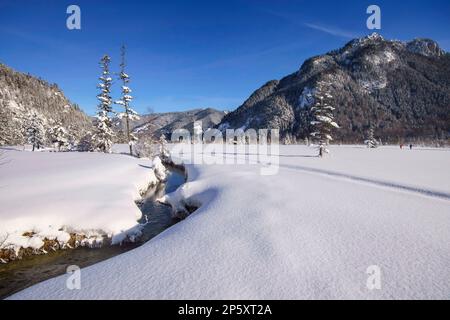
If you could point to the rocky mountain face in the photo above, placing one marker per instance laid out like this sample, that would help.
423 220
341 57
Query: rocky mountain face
402 89
22 94
165 123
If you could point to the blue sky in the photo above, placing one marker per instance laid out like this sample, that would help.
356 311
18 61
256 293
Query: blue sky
191 54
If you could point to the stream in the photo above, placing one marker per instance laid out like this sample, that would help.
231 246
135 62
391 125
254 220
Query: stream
20 274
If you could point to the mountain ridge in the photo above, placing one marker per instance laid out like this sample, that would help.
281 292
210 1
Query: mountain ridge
403 88
157 124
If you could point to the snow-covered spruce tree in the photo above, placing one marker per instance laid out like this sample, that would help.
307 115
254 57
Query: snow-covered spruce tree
60 137
371 142
164 153
6 130
34 130
323 120
11 127
104 134
128 113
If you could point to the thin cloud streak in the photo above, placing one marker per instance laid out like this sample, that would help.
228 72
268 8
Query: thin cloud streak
332 30
335 31
237 59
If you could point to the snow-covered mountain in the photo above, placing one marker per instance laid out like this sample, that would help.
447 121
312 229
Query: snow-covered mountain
402 88
22 94
156 124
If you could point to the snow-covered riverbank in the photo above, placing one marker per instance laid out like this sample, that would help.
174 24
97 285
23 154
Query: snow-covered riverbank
310 231
50 197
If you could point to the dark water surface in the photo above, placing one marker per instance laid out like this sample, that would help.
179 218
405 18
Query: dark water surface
20 274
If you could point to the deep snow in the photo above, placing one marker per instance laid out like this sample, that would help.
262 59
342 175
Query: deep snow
55 194
310 231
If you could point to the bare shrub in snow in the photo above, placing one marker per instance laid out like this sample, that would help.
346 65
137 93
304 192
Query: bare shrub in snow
145 148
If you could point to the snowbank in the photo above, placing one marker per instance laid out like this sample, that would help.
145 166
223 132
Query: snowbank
300 234
53 196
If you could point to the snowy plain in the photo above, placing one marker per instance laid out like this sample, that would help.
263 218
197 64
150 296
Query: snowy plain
52 195
311 231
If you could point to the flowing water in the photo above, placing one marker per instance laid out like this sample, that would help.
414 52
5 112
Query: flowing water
20 274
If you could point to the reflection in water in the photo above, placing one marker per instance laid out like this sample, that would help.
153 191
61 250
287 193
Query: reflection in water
18 275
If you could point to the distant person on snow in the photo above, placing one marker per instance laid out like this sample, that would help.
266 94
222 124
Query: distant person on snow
401 145
410 147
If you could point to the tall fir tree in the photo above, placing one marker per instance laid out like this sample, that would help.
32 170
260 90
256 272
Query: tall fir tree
128 113
323 120
103 137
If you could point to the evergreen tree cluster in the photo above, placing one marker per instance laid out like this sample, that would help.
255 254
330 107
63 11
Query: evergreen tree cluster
22 95
104 133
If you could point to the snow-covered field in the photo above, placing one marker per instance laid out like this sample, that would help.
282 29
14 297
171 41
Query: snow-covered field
51 195
310 231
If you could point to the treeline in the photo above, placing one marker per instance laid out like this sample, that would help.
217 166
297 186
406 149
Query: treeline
24 97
